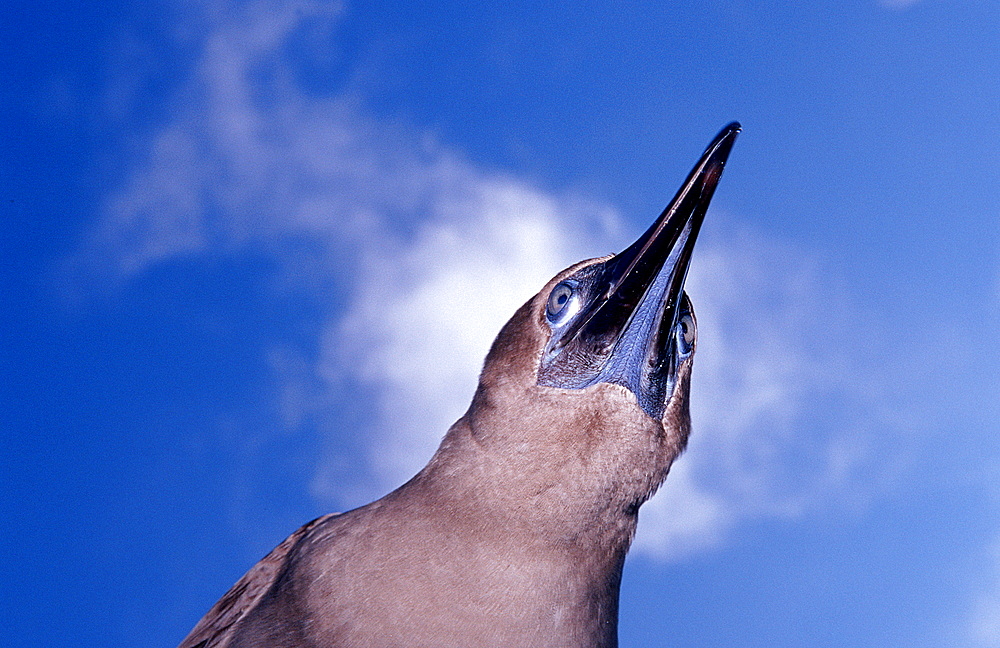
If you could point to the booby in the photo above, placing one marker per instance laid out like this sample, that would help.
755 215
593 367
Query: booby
515 532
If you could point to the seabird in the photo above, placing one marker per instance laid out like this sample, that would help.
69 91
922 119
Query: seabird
515 532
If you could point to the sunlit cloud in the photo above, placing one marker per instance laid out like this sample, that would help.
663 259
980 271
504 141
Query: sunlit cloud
426 310
442 252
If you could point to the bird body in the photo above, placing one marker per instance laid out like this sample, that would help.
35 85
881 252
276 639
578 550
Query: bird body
516 531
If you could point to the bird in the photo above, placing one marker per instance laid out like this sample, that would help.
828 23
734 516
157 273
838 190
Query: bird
515 532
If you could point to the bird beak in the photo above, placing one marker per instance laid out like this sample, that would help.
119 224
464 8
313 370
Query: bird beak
625 328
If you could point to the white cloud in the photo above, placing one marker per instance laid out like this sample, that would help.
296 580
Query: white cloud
427 309
444 252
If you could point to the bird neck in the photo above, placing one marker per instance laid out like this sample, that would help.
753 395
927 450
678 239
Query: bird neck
528 496
556 561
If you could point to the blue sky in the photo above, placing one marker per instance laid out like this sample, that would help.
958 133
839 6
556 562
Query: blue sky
253 254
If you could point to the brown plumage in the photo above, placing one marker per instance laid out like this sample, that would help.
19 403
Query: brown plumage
515 532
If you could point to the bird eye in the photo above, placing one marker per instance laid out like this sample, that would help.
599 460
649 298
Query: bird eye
559 300
686 333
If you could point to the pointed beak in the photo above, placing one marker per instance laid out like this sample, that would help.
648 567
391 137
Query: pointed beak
634 300
664 249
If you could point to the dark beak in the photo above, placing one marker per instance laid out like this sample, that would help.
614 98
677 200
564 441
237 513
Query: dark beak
623 332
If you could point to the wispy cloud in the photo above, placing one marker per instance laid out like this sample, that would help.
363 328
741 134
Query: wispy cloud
771 347
442 252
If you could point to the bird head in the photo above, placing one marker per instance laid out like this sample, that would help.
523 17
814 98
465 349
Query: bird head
592 375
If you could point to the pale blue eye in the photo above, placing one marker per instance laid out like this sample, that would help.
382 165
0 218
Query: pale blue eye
686 333
559 300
